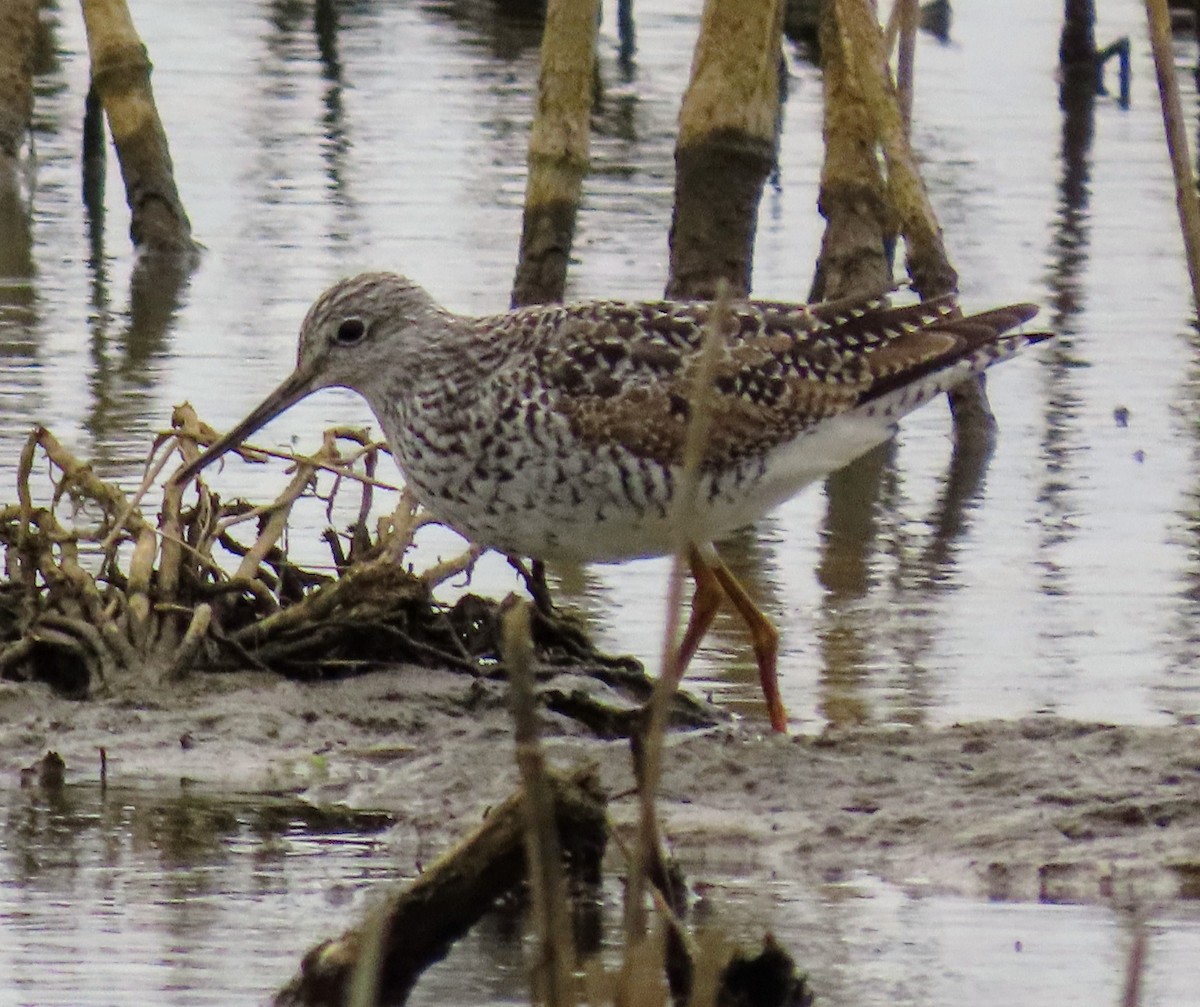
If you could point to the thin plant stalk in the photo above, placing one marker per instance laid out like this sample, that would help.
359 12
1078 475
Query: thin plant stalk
1135 966
363 988
685 505
554 945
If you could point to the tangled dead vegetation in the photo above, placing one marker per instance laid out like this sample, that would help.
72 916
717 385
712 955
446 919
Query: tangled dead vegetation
98 597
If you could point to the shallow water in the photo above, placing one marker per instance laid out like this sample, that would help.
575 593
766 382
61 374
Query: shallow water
874 945
1064 578
190 898
173 897
1060 578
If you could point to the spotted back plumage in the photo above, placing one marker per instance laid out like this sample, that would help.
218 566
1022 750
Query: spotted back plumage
626 372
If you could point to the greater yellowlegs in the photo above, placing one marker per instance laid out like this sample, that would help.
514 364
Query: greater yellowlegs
557 431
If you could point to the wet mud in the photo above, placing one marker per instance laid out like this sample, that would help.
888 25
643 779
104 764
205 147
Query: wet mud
1035 809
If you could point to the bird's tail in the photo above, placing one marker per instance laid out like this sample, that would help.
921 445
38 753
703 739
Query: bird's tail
979 341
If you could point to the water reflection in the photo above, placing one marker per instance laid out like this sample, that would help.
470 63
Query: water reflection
129 355
1062 442
131 894
337 137
849 537
16 254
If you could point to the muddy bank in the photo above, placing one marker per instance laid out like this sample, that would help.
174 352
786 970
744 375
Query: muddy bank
1040 808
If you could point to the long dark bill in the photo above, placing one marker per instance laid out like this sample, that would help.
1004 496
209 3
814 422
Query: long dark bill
295 386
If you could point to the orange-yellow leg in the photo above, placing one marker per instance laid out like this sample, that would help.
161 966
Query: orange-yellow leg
765 639
705 602
714 581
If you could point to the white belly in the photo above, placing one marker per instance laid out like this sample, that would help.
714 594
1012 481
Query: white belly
586 510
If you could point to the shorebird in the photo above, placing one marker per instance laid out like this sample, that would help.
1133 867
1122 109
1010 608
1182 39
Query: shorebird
557 431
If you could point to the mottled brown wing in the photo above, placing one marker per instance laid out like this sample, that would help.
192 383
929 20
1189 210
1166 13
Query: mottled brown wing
626 372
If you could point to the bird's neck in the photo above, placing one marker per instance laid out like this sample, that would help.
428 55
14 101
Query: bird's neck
444 367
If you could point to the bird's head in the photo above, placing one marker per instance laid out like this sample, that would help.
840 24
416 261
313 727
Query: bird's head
358 334
362 328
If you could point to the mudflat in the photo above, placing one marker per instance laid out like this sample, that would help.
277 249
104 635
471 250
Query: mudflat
1038 808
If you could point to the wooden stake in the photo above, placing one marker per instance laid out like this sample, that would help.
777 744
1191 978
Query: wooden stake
1177 144
558 150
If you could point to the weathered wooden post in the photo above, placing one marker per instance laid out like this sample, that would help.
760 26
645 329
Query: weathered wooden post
18 27
856 248
121 77
558 150
1177 143
861 40
728 133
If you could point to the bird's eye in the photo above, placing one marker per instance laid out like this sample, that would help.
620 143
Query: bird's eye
350 331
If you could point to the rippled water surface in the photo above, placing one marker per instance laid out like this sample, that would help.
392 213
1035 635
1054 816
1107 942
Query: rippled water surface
141 896
915 587
189 898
